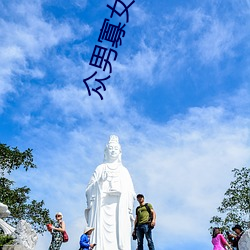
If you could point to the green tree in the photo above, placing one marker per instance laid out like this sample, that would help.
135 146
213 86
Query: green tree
17 199
235 207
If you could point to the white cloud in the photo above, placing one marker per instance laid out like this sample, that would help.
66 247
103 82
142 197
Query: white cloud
143 64
80 3
217 42
32 33
25 36
198 19
138 15
75 101
173 43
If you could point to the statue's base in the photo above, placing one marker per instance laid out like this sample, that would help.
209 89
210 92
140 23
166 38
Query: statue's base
13 247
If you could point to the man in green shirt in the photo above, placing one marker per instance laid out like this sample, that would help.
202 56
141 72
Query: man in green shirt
144 223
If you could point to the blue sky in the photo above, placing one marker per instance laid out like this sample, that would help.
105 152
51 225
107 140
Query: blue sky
178 98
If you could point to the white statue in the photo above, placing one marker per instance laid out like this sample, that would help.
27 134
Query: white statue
4 212
244 242
110 197
25 235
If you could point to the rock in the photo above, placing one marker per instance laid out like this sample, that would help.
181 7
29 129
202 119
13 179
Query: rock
244 242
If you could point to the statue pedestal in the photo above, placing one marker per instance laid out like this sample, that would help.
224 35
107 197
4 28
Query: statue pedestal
13 247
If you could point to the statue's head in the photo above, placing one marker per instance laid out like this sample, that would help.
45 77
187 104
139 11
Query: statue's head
4 211
113 150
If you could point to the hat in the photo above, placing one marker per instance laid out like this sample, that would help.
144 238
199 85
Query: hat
59 213
237 227
87 229
140 195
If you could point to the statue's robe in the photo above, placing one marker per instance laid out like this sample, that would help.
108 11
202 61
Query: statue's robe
110 197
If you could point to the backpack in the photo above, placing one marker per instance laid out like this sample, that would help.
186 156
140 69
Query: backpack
149 212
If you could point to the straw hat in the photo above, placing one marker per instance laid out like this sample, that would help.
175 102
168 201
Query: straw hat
87 229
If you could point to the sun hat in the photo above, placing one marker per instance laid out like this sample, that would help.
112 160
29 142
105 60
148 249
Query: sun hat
87 229
59 213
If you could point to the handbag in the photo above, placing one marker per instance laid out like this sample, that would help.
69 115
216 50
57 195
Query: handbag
65 236
49 227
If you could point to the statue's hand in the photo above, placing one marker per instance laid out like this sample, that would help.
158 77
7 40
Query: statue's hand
132 217
90 202
104 176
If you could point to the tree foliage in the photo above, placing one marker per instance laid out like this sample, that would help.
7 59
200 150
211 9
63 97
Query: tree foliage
12 159
17 199
235 206
6 239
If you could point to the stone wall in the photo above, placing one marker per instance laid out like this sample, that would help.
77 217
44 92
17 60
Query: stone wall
13 247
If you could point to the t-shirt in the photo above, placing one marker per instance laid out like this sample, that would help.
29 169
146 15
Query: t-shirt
142 214
219 242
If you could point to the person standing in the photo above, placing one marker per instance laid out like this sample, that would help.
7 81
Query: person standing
85 239
218 240
239 231
143 225
56 231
